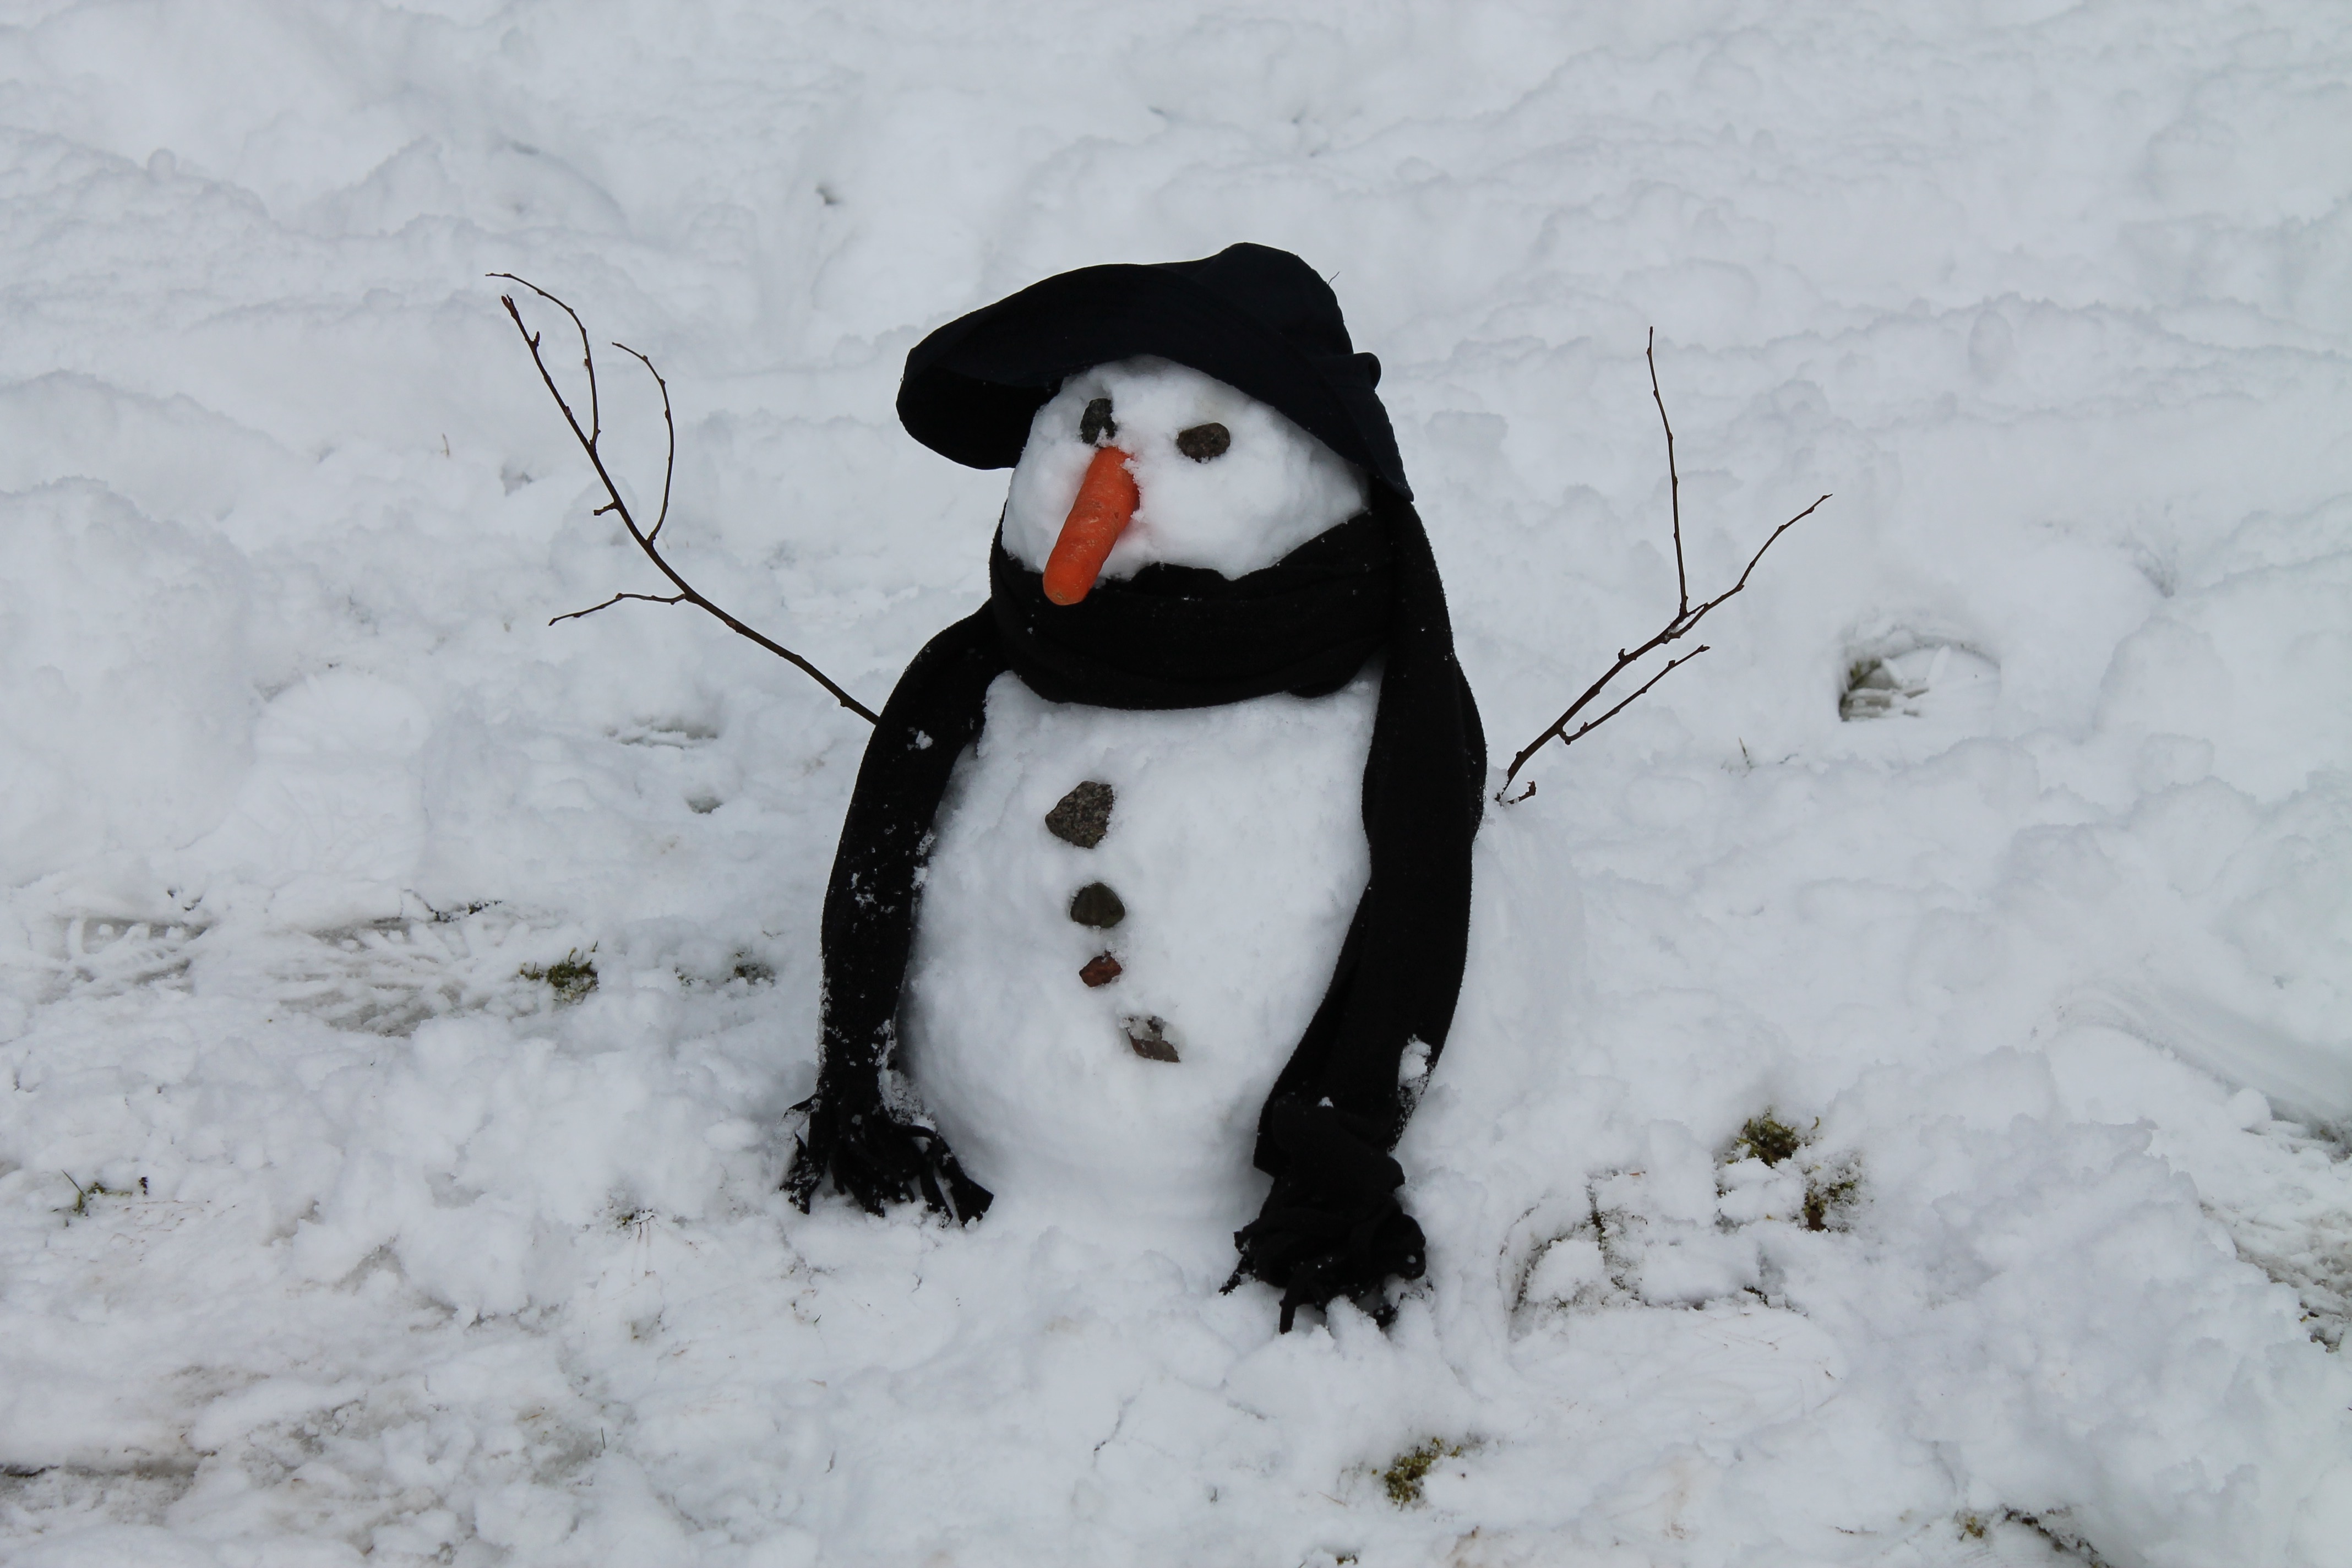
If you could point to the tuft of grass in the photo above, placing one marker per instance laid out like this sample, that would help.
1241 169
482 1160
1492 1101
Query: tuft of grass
2051 1528
1408 1470
571 978
1832 1186
1767 1138
1873 690
1828 1194
81 1205
749 968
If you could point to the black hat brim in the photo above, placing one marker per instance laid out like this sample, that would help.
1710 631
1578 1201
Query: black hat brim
971 388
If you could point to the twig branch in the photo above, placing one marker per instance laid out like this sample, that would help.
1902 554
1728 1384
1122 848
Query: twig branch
1673 479
1684 621
669 426
1591 724
589 438
648 598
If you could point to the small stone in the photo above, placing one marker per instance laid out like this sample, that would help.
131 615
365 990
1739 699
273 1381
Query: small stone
1083 816
1100 970
1096 424
1147 1038
1097 906
1202 442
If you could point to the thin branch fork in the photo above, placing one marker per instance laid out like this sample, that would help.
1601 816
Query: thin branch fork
1684 621
590 439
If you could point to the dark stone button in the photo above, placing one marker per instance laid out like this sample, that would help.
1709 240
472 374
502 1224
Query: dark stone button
1202 442
1100 970
1083 816
1147 1038
1097 906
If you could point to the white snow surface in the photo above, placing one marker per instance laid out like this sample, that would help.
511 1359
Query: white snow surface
328 1234
1276 488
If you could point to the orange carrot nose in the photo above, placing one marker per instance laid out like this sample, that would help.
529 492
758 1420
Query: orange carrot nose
1107 499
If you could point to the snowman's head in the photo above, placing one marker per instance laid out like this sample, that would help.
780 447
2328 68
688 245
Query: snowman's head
1146 460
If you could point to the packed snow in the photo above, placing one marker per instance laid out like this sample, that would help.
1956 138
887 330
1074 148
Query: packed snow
1897 1110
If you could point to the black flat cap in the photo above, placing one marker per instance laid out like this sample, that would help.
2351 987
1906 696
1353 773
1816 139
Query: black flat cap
1259 319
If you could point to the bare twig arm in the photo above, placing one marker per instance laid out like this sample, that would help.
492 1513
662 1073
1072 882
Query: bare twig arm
1759 554
1673 478
648 598
1589 725
669 426
1681 624
589 438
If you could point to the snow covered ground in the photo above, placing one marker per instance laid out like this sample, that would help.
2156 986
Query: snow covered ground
2001 847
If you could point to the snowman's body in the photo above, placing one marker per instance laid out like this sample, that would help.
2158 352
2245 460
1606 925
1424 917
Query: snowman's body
1235 844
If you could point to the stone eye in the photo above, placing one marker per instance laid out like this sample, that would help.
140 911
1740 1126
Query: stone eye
1096 424
1202 442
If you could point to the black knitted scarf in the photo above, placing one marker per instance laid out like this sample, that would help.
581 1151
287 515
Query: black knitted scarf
1185 637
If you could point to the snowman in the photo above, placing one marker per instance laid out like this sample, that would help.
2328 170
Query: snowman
1152 896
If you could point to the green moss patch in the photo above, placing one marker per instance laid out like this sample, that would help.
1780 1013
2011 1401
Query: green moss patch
1408 1470
1767 1138
570 979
